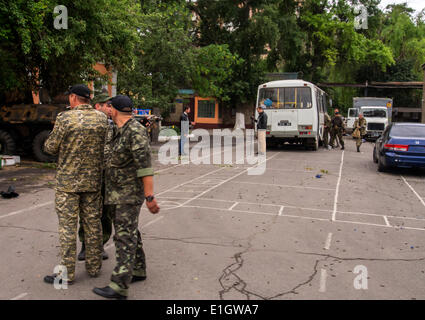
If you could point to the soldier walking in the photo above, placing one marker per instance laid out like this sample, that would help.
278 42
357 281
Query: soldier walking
337 128
359 130
99 102
129 181
78 138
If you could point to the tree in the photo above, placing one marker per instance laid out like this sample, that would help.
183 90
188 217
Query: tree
33 53
249 31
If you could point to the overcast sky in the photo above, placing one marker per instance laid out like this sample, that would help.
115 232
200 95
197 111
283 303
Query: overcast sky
418 5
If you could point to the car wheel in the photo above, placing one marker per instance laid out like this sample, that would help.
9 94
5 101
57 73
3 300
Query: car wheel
381 166
375 159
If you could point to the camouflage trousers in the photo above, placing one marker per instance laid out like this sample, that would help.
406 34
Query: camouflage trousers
130 257
70 206
106 221
337 133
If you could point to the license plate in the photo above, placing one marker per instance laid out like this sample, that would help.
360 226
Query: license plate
375 134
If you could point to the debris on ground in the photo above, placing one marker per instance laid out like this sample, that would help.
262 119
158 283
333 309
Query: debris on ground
10 193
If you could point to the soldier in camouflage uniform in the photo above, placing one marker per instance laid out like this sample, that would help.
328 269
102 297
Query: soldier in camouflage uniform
327 131
337 129
360 124
99 102
78 138
129 181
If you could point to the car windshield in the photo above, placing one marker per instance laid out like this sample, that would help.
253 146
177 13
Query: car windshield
408 131
375 113
287 98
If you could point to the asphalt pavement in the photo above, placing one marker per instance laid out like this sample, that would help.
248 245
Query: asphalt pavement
315 225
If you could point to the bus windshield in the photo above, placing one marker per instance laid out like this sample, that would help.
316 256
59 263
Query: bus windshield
287 98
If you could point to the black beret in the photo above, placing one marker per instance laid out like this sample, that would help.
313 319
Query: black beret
80 90
121 103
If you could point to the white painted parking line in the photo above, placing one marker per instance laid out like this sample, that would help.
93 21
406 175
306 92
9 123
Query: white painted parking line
328 241
27 209
301 208
233 205
337 187
181 184
227 180
411 188
297 216
323 275
386 221
281 210
282 185
20 296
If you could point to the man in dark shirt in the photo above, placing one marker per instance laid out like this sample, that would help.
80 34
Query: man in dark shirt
184 130
261 129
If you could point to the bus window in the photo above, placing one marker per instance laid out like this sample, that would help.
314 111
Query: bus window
290 102
269 93
288 97
304 98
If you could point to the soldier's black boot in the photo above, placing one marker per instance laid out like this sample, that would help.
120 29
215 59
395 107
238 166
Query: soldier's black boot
358 149
51 279
342 148
108 292
82 254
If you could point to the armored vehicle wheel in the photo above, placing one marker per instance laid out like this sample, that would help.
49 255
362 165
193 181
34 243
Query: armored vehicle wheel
7 144
37 147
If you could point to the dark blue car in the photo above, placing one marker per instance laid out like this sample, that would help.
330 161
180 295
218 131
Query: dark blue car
401 145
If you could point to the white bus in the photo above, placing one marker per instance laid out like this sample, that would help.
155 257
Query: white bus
296 114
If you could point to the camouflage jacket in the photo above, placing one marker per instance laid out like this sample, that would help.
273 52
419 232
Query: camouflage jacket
328 121
129 160
78 137
112 129
362 124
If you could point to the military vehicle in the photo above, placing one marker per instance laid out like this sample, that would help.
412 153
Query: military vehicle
25 127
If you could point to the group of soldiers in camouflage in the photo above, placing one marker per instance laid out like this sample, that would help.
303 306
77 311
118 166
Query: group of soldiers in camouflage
335 128
104 174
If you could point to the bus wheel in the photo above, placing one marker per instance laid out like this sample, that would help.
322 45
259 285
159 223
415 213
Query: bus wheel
314 144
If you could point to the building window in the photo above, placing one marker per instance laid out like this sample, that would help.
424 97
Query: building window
206 109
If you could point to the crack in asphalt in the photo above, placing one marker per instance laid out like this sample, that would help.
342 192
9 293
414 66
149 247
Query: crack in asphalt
230 280
28 229
361 259
185 240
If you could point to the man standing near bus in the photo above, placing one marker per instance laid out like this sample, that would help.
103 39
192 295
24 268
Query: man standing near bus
261 129
337 129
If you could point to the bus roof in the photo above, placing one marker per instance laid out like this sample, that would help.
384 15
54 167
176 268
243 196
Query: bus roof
286 83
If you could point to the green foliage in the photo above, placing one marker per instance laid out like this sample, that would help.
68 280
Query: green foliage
32 50
213 69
